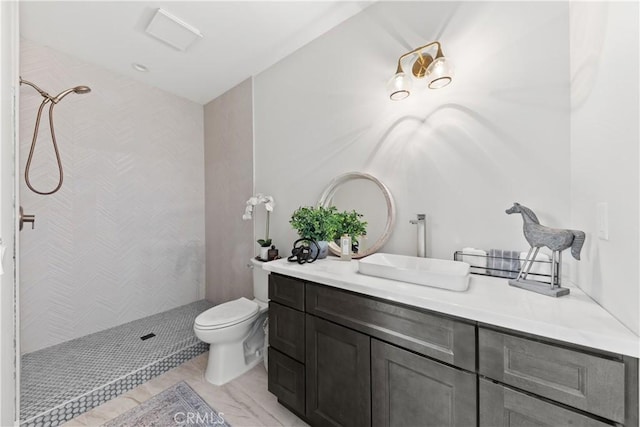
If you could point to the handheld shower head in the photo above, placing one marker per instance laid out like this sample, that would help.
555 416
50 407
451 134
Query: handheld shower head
78 89
55 99
82 89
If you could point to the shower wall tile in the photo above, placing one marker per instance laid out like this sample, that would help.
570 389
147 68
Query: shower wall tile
124 237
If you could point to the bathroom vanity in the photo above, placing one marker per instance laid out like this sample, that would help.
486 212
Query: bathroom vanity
353 350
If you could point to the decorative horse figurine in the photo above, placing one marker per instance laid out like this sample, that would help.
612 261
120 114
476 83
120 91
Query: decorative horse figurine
555 239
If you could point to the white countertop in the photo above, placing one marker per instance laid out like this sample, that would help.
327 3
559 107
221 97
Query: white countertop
574 318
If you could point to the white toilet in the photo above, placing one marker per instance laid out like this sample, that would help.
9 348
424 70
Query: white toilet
234 331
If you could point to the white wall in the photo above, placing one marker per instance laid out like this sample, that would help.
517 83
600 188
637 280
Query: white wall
9 375
124 237
498 134
604 151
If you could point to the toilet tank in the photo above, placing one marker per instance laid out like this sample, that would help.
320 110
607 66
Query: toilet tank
260 281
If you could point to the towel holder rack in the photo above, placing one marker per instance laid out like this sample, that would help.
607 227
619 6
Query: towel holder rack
490 270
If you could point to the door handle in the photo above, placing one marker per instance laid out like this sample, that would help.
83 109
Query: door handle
26 218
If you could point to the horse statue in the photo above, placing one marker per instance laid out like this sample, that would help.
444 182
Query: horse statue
555 239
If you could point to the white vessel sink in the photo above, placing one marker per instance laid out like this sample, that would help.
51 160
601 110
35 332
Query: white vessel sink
438 273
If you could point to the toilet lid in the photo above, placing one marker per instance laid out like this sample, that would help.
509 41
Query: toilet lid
227 314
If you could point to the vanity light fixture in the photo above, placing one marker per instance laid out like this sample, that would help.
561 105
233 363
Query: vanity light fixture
436 71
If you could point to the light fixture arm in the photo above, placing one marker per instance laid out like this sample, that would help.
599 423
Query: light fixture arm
417 50
421 64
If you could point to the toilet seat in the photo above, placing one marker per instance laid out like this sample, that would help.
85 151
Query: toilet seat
227 314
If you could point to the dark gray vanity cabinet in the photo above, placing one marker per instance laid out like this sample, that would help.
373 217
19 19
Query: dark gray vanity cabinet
531 381
338 375
440 337
368 361
411 390
286 331
504 406
338 358
286 342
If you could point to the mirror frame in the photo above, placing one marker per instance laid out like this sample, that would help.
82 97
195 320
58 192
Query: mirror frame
331 189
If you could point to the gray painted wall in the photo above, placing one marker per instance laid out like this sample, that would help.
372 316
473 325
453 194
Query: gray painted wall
228 150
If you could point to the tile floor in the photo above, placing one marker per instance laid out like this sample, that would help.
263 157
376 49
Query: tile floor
62 381
244 401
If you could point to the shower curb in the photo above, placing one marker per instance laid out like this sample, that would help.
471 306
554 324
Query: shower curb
81 404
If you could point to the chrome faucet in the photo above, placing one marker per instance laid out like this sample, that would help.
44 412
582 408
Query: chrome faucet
422 234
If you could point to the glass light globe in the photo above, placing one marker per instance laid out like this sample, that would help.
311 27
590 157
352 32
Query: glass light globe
439 73
399 86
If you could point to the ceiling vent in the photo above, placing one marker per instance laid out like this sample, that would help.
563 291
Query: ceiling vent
172 31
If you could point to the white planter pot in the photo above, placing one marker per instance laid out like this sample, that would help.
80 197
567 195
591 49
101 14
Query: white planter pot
324 249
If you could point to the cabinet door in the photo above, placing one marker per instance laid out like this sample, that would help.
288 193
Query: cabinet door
503 406
411 390
337 375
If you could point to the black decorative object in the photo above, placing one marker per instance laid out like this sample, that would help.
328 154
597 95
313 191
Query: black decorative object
302 253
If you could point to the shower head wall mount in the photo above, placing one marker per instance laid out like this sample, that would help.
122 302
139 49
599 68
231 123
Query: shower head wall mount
58 97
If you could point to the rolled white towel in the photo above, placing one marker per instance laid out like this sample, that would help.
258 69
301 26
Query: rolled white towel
476 258
503 263
538 267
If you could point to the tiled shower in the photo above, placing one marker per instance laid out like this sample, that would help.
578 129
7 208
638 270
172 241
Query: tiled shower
123 239
65 380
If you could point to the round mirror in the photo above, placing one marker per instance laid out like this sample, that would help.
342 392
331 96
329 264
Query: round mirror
368 196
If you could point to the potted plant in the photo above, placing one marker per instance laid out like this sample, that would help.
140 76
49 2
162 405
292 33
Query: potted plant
269 203
315 223
351 224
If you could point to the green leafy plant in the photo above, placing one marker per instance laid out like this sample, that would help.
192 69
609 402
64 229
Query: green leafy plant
349 223
265 243
317 223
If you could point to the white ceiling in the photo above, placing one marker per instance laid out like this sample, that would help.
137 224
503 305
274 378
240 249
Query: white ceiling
241 38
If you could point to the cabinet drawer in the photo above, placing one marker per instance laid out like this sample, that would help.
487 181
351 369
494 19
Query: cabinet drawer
584 381
411 390
286 330
286 380
442 338
286 291
502 406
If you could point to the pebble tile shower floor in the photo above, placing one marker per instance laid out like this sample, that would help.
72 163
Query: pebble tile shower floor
65 380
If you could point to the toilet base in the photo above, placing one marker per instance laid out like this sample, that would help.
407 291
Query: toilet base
227 362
